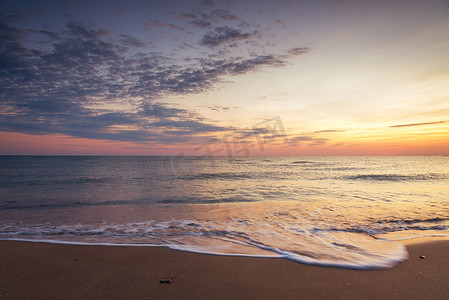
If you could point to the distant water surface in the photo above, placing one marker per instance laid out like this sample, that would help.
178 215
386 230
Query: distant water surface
339 211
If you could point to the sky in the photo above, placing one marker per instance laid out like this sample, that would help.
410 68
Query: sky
224 77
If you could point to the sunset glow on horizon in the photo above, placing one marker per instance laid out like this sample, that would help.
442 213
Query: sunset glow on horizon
223 77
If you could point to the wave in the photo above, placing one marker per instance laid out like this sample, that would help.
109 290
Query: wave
346 254
413 221
207 201
72 204
12 205
49 182
395 177
205 176
355 247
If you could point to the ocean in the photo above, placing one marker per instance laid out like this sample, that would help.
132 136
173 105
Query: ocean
333 211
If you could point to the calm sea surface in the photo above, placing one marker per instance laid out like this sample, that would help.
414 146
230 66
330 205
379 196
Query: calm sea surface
339 211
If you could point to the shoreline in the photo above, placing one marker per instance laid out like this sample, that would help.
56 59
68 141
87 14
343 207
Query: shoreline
33 270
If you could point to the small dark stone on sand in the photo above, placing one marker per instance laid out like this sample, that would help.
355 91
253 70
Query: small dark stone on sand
422 257
167 280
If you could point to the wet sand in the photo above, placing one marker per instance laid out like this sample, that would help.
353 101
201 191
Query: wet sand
49 271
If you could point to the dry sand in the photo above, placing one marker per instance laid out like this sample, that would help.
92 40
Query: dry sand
50 271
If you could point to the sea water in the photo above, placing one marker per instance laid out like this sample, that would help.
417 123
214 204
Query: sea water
337 211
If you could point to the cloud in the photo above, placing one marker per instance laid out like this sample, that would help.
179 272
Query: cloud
192 125
162 111
313 141
9 33
251 64
189 15
77 29
130 41
419 124
298 51
93 83
282 24
49 34
204 19
295 52
201 23
328 131
150 24
223 15
208 3
219 107
224 34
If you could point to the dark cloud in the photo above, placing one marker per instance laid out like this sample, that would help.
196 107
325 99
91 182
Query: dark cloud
295 52
208 3
282 24
77 29
192 125
150 24
189 15
223 34
251 64
162 111
130 41
201 23
49 34
313 141
71 84
204 19
223 15
9 33
419 124
298 51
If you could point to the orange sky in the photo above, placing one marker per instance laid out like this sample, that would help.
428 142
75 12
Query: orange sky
57 144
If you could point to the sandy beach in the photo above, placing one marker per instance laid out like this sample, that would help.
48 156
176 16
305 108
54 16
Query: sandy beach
50 271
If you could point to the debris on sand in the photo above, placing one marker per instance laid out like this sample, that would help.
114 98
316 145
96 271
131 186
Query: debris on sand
166 280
